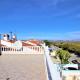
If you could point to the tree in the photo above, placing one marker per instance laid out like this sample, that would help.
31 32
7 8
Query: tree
72 47
63 55
48 43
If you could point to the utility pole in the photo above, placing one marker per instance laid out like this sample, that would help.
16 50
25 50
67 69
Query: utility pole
11 35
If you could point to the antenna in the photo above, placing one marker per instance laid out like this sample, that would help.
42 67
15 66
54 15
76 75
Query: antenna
11 35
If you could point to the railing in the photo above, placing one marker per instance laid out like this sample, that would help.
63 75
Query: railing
52 69
22 50
71 74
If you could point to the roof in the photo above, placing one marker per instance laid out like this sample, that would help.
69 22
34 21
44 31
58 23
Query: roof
12 41
36 42
26 44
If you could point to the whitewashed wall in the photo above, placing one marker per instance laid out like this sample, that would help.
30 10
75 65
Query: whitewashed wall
53 69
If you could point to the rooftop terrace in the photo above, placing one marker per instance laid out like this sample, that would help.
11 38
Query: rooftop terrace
22 67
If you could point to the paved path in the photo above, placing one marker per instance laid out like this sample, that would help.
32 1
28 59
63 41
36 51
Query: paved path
22 67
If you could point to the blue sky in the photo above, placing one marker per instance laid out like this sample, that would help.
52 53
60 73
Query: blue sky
41 19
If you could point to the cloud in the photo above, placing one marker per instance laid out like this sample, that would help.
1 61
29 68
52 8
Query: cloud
67 35
74 33
53 36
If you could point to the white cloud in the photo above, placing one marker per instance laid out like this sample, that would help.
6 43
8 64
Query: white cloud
67 35
75 33
54 36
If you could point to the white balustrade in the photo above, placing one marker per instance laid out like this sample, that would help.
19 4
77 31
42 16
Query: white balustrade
23 50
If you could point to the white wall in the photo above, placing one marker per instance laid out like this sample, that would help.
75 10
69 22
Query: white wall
70 72
6 43
17 44
53 68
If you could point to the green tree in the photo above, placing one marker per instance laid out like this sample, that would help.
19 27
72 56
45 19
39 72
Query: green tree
63 55
48 43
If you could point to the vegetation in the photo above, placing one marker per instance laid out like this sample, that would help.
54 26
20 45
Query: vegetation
73 47
48 43
67 47
63 56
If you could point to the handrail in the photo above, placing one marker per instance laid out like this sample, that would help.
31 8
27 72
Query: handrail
53 69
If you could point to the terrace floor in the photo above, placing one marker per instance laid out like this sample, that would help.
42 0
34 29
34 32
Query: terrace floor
22 67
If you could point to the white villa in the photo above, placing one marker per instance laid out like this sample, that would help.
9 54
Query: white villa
14 45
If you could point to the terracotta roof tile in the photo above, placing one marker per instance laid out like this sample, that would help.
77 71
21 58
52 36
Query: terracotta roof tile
35 42
26 44
11 41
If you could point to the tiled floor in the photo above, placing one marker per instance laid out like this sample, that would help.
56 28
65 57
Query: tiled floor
22 67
